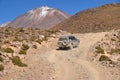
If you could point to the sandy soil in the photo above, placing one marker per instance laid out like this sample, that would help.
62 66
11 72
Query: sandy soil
73 60
47 63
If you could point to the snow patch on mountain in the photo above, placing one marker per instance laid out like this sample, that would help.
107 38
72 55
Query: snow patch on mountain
45 10
31 11
5 24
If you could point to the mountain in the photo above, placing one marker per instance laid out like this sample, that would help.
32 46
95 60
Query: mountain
103 18
43 17
5 24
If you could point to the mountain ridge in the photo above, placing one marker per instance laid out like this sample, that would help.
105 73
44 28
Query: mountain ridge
43 17
98 19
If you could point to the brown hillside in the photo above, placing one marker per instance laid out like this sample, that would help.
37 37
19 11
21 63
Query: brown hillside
103 18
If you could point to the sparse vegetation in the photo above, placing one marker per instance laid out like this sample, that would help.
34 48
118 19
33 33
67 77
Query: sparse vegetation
99 50
6 30
22 51
45 38
38 41
20 29
25 47
104 58
14 37
34 46
9 50
112 39
52 31
22 34
115 51
17 61
6 41
1 59
1 67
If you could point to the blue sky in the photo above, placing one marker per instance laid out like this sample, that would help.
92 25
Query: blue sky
10 9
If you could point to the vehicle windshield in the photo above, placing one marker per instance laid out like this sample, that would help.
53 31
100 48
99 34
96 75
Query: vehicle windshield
72 38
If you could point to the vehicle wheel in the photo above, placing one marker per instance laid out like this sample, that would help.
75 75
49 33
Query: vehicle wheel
64 43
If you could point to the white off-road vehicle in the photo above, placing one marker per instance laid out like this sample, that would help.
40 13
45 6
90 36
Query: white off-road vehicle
69 41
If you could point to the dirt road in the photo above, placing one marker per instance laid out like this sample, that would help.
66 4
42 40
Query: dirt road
51 64
66 60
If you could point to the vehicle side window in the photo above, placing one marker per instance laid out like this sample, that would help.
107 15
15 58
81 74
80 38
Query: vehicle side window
62 38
